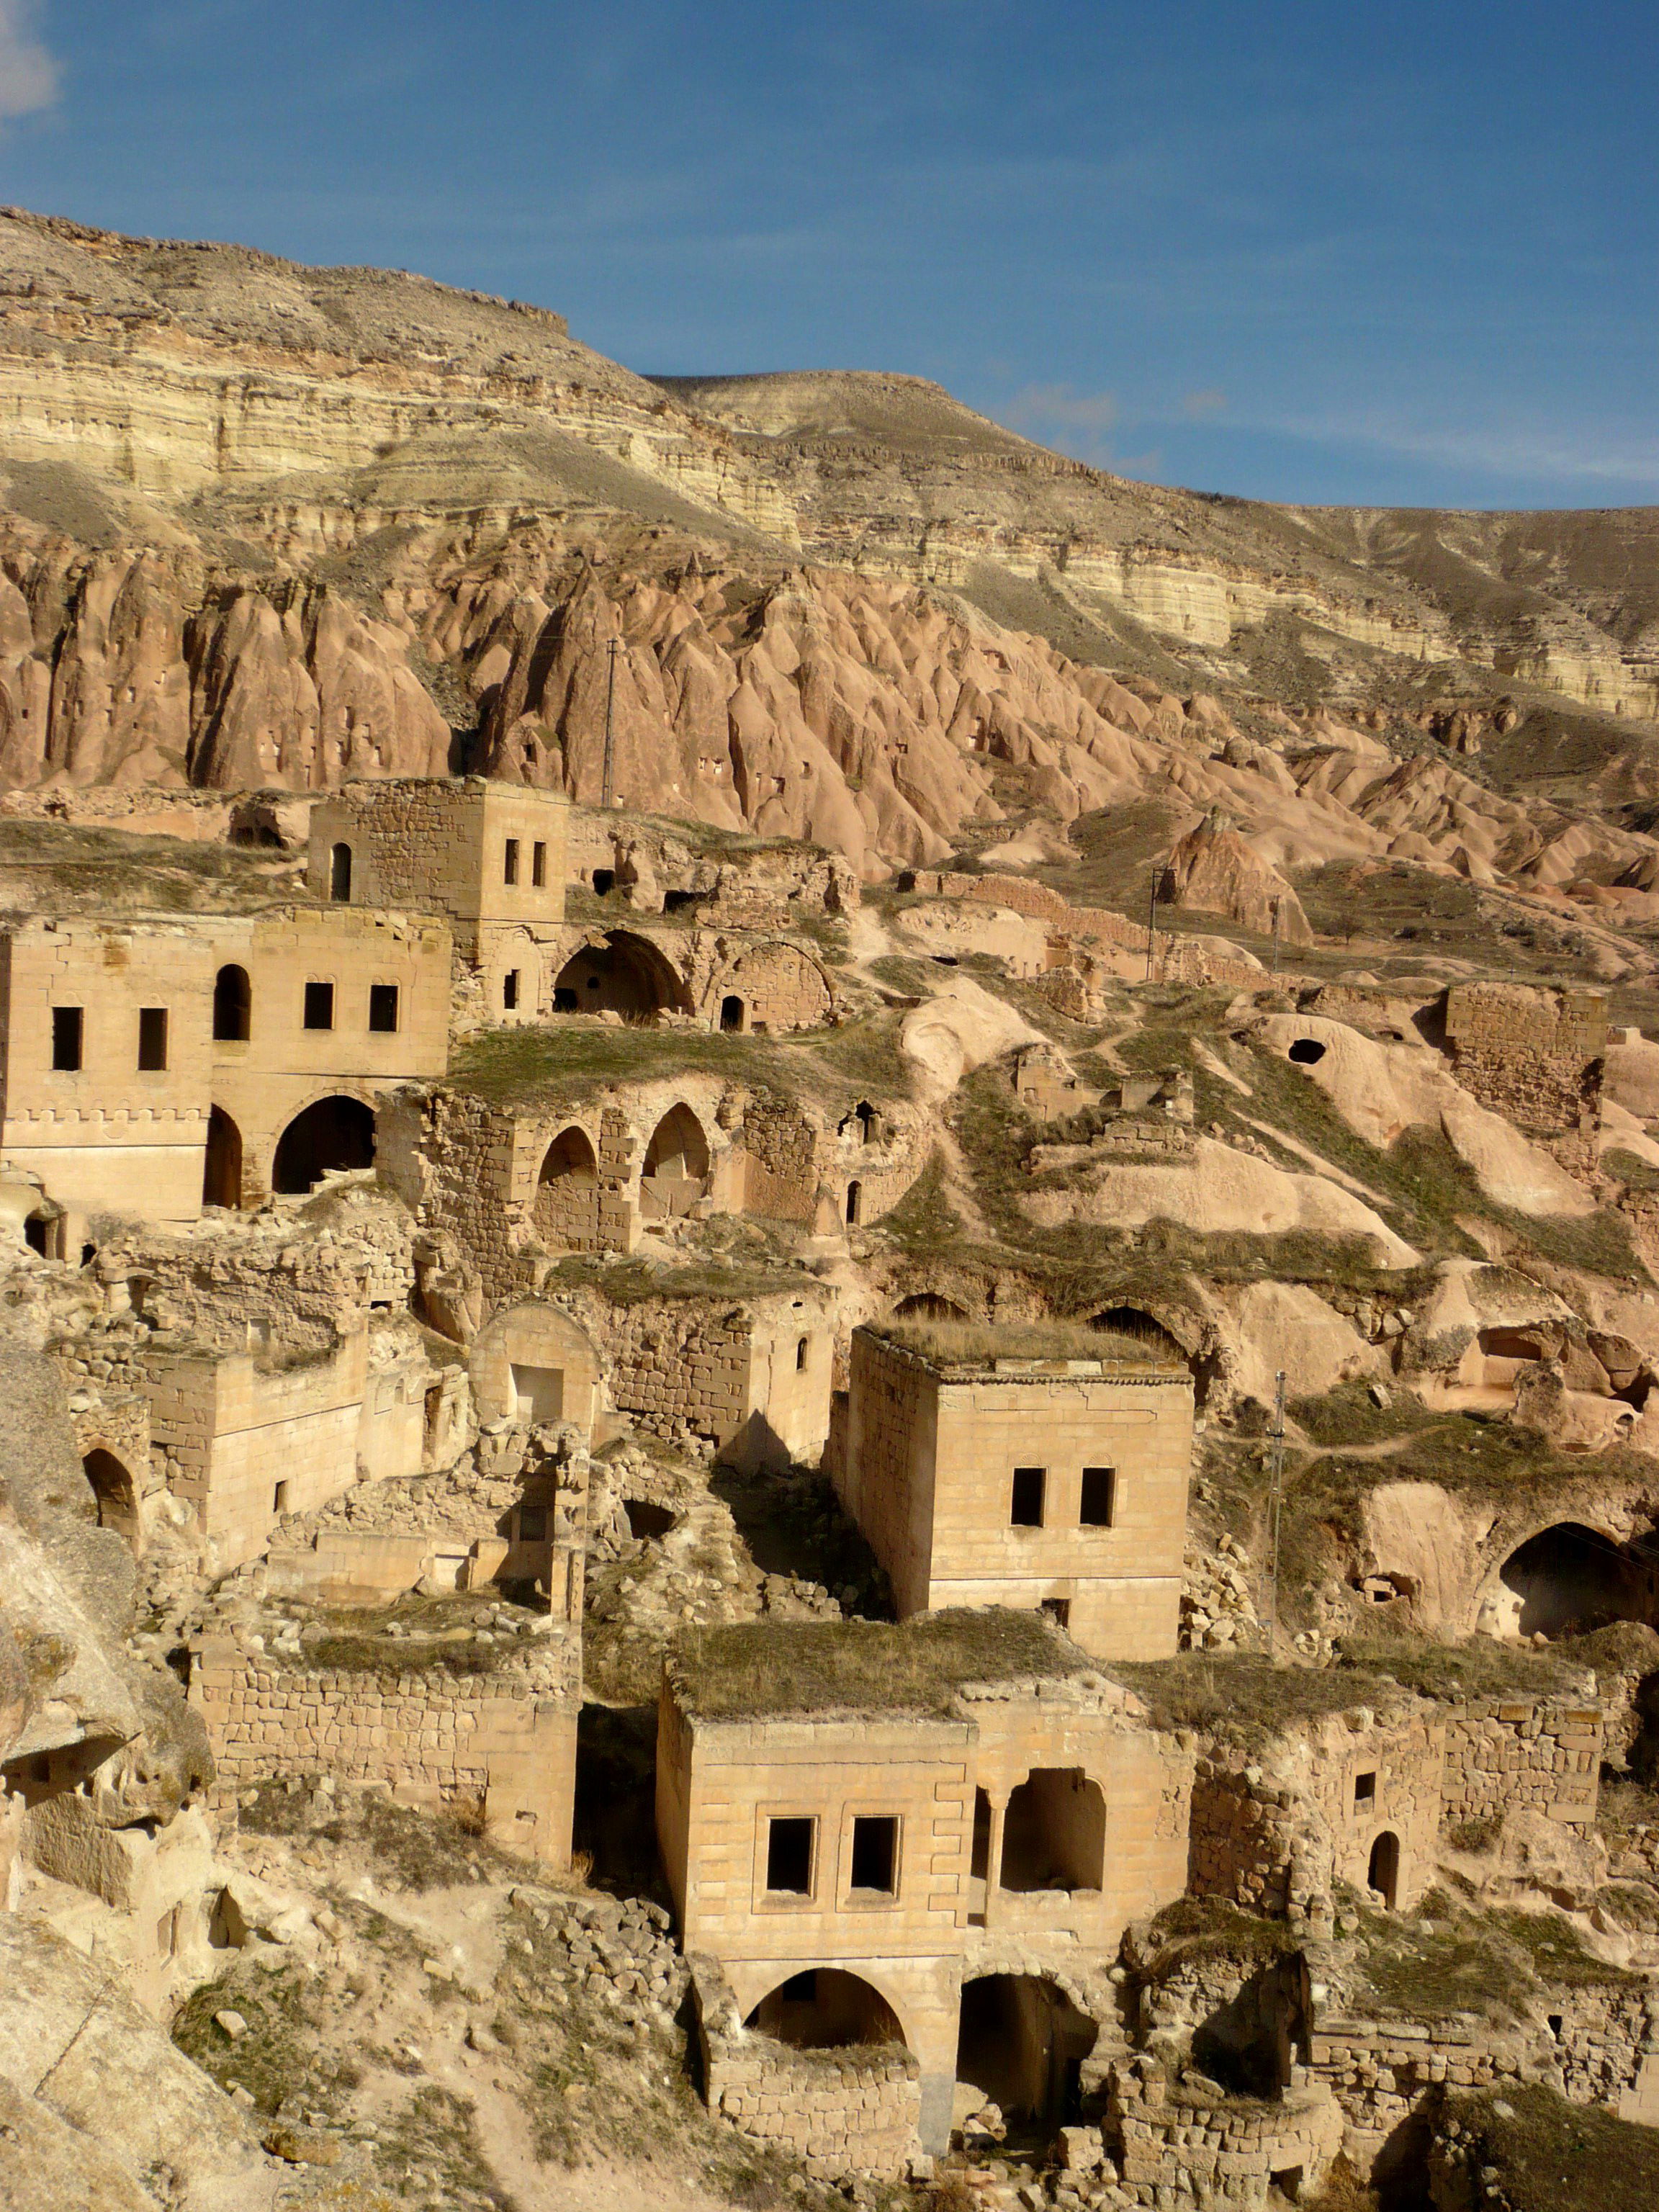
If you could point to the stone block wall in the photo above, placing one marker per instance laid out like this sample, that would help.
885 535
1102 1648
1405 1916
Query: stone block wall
778 986
1178 2141
1379 2071
1534 1056
1503 1755
506 1740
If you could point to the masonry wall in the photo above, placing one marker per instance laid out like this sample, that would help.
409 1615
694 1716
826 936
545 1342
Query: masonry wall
1504 1755
1534 1056
885 1472
230 1433
779 988
506 1740
108 1137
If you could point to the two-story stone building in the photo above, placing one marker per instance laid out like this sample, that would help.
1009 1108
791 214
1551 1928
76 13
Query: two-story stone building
918 1837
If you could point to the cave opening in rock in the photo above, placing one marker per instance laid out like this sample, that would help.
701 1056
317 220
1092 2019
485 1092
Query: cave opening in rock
1571 1579
1307 1052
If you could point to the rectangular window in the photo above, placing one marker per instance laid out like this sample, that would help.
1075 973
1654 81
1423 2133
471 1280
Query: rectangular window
1059 1610
319 1006
1030 1483
789 1856
875 1855
152 1038
1097 1506
1364 1790
383 1007
538 865
66 1024
532 1525
510 990
510 870
279 1498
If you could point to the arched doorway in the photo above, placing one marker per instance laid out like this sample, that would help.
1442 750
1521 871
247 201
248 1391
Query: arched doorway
1383 1874
731 1013
339 875
854 1204
1021 2042
826 2009
928 1305
331 1133
567 1207
117 1497
1571 1577
233 1005
1142 1329
626 975
675 1170
1054 1833
222 1162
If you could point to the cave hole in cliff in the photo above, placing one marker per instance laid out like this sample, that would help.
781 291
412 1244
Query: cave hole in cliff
1572 1579
928 1305
331 1135
1307 1052
826 2009
1023 2042
222 1162
646 1520
1054 1833
626 975
115 1495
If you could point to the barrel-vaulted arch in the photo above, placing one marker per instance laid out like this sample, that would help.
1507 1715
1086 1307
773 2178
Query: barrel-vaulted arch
335 1130
566 1206
674 1173
1546 1573
620 973
826 2007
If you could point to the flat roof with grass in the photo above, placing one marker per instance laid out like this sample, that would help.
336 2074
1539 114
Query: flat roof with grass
770 1670
1015 1349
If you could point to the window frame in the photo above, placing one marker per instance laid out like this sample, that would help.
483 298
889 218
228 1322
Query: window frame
77 1065
1113 1498
1016 1520
395 1026
148 1063
510 863
860 1896
768 1899
318 983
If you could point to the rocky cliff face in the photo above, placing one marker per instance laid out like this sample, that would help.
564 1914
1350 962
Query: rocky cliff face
272 525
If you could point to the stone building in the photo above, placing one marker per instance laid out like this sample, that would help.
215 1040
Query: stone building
983 1475
488 857
1537 1057
914 1837
153 1066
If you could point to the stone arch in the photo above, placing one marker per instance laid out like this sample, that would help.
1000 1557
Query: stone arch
566 1208
221 1161
623 974
1382 1868
780 986
1022 2040
116 1493
929 1306
675 1172
1142 1326
233 1004
534 1364
1054 1833
334 1131
827 2008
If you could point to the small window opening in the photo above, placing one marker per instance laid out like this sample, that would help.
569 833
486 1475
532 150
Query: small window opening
510 990
279 1498
34 1234
800 1355
1364 1790
538 865
854 1203
152 1039
66 1034
1557 2022
233 1005
1288 2182
1097 1506
789 1856
731 1013
383 1008
532 1525
1307 1052
319 1006
875 1854
339 874
604 879
1059 1610
1030 1483
530 755
510 863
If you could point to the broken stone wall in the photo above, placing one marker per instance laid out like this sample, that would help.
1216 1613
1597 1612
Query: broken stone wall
1506 1755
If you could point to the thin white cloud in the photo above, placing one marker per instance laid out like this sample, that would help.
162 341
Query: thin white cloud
28 73
1198 405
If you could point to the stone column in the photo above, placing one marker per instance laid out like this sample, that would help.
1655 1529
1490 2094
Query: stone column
994 1860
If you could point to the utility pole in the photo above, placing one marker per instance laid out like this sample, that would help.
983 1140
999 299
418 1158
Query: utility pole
607 796
1151 921
1275 1513
1275 936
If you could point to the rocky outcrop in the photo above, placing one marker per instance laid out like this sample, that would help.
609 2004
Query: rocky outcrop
1215 870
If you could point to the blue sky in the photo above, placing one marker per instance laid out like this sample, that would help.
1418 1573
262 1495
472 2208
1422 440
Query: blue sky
1405 254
